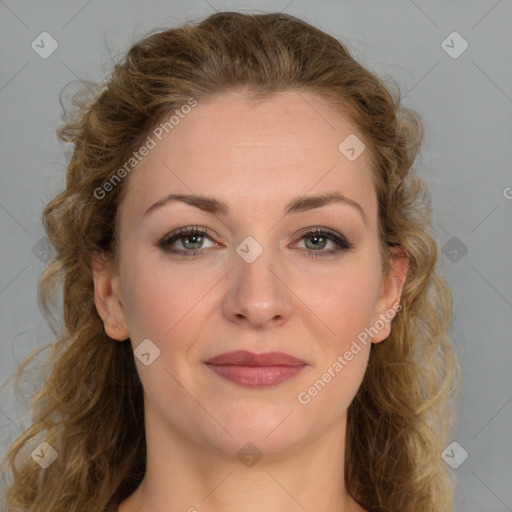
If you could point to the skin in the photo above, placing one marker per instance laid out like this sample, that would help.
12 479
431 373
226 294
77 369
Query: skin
256 157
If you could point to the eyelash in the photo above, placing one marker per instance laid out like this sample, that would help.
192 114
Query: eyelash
165 243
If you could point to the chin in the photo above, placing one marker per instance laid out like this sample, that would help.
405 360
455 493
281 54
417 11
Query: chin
271 429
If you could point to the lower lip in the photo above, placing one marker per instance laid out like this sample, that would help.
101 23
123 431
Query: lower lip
256 376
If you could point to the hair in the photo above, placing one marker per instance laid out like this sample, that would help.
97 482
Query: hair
90 405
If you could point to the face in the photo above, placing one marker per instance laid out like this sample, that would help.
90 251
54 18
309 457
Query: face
245 270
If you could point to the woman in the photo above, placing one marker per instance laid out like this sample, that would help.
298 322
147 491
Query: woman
252 316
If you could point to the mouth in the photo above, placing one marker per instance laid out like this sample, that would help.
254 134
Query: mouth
252 370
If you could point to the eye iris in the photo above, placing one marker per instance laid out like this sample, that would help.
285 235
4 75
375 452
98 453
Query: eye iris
196 244
317 237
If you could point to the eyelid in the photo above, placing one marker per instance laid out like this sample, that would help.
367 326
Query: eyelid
186 230
319 229
342 243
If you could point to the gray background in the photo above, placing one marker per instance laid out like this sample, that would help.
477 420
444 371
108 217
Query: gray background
465 103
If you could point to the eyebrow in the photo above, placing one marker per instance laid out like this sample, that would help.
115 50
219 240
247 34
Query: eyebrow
299 204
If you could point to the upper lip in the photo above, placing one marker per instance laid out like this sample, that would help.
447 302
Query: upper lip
246 358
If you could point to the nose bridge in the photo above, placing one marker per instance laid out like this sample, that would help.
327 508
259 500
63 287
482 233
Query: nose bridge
256 291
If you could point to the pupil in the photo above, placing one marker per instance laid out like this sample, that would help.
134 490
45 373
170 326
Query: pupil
194 237
316 239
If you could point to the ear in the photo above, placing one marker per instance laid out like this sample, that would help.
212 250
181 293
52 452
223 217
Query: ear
107 297
392 285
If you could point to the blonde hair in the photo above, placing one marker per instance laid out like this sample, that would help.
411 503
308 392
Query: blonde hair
90 408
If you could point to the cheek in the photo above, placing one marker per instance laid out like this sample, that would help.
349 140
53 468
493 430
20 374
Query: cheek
345 300
153 308
160 299
341 357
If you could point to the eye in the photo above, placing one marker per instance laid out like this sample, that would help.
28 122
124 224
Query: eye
190 238
317 239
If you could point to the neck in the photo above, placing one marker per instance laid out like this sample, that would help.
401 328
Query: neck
184 476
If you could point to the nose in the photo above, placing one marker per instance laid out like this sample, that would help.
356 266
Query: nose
258 294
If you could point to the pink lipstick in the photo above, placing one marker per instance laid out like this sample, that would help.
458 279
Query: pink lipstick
256 370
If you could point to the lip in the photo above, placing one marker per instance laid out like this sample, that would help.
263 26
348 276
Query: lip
246 358
256 370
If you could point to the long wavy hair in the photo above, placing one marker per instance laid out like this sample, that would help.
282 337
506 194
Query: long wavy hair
90 405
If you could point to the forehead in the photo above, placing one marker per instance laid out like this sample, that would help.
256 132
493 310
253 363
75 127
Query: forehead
272 149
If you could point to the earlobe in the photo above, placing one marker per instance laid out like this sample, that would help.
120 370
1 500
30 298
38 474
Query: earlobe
391 292
107 297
